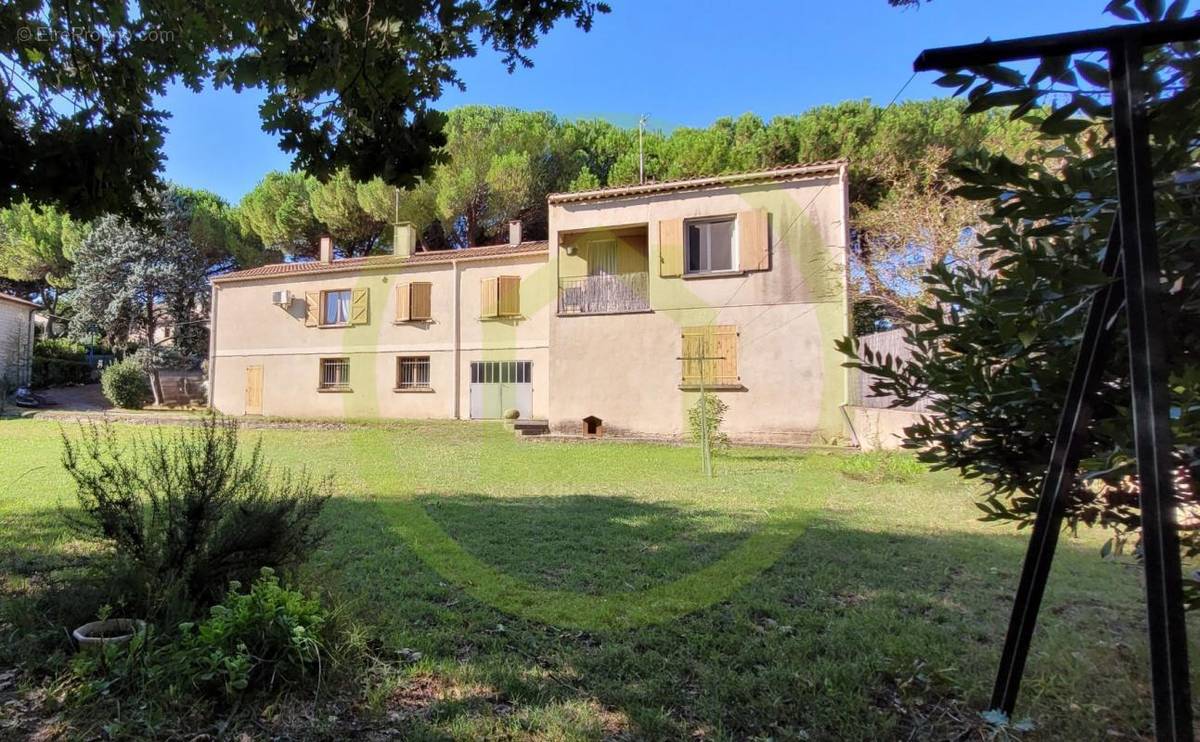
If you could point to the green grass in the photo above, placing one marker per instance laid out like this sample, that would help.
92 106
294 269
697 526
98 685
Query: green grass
585 591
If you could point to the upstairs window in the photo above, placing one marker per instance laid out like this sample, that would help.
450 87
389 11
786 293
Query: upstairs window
335 307
710 246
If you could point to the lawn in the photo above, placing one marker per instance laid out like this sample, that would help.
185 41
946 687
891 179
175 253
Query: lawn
553 590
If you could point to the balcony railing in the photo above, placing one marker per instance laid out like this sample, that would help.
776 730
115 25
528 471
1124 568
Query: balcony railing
603 294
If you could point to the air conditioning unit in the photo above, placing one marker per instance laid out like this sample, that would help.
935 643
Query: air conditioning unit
281 298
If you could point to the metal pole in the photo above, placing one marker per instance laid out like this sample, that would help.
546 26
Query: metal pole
1151 405
1060 476
704 425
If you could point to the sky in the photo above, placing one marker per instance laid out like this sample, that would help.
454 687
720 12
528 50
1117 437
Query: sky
681 62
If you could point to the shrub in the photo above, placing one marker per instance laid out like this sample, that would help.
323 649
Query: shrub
186 513
249 641
512 414
266 634
126 385
881 467
715 415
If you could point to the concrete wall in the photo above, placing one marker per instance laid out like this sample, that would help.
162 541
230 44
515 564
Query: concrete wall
879 429
16 341
624 368
251 331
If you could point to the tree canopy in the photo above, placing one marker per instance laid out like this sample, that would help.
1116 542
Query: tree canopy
349 84
37 246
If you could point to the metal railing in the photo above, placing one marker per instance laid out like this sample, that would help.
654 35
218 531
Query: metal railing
604 294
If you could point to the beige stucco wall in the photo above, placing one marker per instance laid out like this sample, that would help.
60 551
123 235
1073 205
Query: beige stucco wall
16 341
251 331
878 429
624 368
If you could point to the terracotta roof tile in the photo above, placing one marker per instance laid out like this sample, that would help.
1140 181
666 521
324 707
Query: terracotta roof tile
384 261
786 172
19 300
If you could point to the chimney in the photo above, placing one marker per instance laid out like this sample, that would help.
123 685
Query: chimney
404 239
326 249
514 232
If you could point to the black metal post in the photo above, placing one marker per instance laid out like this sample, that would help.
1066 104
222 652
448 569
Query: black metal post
1060 476
1140 277
1151 405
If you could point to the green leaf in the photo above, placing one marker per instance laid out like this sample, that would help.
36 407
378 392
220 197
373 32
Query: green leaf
953 80
1152 9
1094 73
1120 8
1000 74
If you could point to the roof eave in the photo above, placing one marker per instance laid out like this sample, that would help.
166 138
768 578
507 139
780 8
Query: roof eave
799 172
380 265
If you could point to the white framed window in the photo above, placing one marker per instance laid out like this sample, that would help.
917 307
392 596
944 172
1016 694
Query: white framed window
711 245
335 307
412 372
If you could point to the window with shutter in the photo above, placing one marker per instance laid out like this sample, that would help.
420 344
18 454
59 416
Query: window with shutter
489 296
312 308
754 244
403 303
421 300
710 356
670 248
414 301
358 307
509 302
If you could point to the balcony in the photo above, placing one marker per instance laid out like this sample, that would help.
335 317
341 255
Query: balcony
604 294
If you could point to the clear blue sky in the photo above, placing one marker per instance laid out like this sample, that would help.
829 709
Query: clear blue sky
683 62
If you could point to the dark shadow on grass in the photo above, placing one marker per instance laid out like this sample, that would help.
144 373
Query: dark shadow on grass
587 543
852 634
824 644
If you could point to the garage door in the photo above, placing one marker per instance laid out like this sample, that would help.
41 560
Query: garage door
497 386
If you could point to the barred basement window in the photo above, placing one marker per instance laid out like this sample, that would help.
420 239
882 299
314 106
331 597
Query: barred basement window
335 374
412 372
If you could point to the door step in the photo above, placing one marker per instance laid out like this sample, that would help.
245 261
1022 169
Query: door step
530 427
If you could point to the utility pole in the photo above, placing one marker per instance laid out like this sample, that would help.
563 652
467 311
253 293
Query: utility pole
641 149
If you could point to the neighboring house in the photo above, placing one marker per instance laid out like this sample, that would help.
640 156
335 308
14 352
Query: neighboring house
16 339
641 295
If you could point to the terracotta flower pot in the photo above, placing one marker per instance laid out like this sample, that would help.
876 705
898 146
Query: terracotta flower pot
96 634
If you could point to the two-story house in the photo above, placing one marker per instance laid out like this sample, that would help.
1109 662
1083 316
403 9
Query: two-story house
641 296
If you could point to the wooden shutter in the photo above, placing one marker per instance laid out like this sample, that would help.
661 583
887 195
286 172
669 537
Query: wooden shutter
420 300
488 294
670 248
717 342
358 307
510 296
722 344
754 246
403 303
312 308
693 348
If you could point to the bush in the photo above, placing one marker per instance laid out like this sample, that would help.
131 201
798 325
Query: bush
60 349
59 372
126 385
270 633
57 362
715 415
249 641
186 513
512 414
881 467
